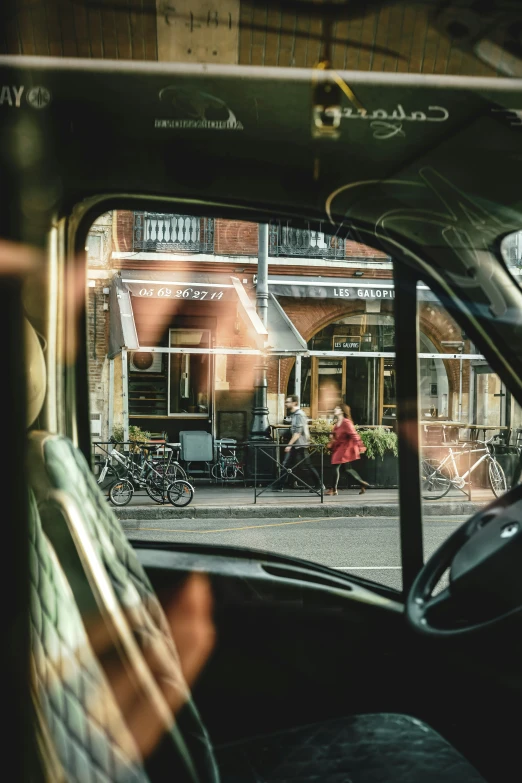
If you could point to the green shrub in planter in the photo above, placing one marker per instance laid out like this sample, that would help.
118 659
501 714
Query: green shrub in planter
378 442
320 430
379 464
136 434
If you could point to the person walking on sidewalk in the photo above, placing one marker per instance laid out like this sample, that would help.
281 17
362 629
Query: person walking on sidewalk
297 448
346 446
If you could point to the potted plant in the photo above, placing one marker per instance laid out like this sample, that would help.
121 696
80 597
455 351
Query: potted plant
380 460
136 435
320 430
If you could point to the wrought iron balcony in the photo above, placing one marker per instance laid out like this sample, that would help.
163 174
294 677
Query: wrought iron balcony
158 232
285 240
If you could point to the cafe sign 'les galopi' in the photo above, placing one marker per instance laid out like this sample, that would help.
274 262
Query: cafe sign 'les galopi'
320 290
364 293
386 125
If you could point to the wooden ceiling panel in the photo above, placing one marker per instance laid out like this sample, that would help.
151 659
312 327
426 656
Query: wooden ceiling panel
389 35
103 29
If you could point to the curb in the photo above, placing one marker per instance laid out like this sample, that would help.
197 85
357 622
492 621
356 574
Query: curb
147 513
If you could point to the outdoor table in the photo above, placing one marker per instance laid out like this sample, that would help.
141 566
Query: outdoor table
474 429
485 428
463 425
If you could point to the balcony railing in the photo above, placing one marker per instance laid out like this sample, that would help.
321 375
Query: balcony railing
157 232
285 240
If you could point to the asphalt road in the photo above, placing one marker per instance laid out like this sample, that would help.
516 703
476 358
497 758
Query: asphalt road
368 546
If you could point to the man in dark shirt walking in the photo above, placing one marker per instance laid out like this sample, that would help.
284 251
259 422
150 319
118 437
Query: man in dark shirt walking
297 448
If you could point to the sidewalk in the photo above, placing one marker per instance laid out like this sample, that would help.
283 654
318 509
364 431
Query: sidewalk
216 502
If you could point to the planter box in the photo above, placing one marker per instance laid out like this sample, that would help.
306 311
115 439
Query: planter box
380 473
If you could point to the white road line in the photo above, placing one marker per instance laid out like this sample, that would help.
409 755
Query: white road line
366 568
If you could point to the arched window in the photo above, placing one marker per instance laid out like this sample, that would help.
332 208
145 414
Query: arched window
433 381
365 379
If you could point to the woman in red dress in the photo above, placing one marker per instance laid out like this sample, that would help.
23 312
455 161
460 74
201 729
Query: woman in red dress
346 446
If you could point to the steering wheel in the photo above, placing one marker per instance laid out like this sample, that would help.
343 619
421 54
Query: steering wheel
484 556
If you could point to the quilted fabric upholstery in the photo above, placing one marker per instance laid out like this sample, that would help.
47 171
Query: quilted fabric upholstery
90 737
383 748
65 468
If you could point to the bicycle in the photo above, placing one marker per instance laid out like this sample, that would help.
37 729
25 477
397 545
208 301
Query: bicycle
149 472
159 472
226 467
438 476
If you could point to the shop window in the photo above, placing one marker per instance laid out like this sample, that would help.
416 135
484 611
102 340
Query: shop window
358 367
94 249
189 374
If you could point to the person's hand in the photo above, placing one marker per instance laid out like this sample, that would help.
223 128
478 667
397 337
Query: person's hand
288 448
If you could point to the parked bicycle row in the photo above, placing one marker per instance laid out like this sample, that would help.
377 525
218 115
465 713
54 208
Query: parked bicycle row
156 467
138 466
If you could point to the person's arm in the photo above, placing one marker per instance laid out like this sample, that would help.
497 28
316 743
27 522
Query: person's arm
349 430
292 440
295 435
354 435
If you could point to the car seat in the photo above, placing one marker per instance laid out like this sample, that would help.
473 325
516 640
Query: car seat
385 748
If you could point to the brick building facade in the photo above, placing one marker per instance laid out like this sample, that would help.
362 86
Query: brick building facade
230 251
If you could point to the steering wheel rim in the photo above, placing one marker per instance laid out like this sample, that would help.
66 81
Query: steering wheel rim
420 601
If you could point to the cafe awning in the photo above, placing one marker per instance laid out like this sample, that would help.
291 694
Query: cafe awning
283 336
280 337
122 329
298 287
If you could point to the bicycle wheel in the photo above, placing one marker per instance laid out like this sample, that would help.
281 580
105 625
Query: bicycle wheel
434 483
230 471
156 489
180 493
121 492
216 471
174 472
497 478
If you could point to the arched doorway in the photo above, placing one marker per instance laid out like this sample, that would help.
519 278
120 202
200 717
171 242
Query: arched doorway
365 379
433 381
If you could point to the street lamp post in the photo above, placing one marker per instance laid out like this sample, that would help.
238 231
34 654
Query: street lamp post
260 425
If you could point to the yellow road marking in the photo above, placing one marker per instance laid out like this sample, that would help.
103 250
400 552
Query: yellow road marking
229 529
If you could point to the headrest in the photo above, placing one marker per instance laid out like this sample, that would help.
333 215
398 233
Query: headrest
36 375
